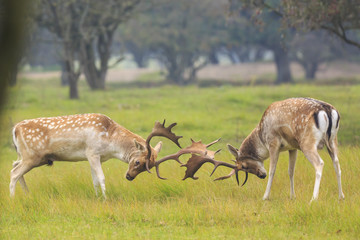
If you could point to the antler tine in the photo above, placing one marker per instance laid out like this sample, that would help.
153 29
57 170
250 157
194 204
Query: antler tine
169 157
246 178
234 171
219 163
212 143
229 175
161 131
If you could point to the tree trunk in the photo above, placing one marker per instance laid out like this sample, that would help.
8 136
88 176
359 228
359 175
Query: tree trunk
138 53
176 76
88 63
64 75
310 70
12 73
139 59
70 71
213 58
282 66
95 77
74 93
103 48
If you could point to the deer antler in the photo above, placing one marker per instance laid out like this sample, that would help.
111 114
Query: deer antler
194 148
161 131
196 161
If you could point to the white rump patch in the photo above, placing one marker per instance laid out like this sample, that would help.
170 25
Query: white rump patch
323 121
334 117
334 128
320 133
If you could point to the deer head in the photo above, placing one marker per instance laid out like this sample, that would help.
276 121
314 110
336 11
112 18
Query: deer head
247 163
145 156
139 156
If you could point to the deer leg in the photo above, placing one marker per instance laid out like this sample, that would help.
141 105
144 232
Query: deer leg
292 161
333 154
315 159
97 171
95 181
21 179
17 174
274 156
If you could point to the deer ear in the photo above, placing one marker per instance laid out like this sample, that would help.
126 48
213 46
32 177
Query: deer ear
234 151
139 146
158 147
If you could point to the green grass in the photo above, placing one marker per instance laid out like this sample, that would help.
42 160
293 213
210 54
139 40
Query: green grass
62 202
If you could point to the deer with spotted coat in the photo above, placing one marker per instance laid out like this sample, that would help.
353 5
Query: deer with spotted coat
92 137
293 124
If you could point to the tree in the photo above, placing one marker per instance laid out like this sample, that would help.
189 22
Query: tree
263 28
59 17
311 50
12 30
135 39
98 23
339 17
85 28
178 36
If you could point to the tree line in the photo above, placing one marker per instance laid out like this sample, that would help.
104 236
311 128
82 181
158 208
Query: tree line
184 36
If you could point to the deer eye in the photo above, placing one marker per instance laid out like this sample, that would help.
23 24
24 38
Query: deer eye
137 162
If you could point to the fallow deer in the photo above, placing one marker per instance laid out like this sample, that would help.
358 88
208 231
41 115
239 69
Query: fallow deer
92 137
293 124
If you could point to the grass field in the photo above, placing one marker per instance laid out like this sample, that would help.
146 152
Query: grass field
62 202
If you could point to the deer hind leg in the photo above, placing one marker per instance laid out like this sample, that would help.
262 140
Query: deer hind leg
21 179
274 156
20 168
97 172
332 149
292 161
314 158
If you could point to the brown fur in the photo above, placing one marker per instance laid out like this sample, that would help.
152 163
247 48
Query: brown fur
93 137
290 125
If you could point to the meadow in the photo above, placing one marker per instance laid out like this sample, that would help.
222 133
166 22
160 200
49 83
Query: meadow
62 202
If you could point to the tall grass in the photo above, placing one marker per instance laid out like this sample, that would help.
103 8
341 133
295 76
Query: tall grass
62 203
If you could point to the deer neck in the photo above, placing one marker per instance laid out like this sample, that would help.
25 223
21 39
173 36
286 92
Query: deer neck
253 147
122 141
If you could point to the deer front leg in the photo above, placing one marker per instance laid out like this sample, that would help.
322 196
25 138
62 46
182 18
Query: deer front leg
95 181
97 172
274 156
292 161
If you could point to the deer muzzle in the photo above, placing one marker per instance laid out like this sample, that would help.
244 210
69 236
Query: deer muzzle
130 178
